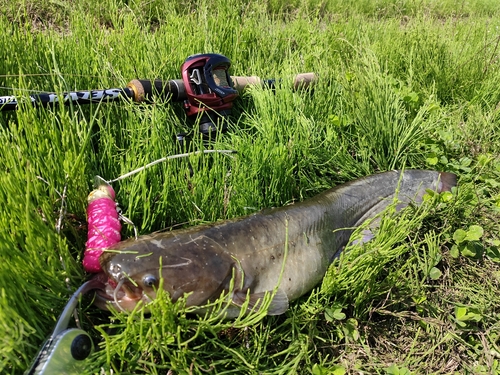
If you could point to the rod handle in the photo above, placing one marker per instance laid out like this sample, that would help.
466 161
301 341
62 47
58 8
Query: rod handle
144 90
300 81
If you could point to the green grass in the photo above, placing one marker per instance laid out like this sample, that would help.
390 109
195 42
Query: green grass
403 84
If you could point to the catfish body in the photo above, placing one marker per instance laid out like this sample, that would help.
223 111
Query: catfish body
288 248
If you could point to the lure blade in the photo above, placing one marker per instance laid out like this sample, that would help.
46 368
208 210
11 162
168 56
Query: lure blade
66 349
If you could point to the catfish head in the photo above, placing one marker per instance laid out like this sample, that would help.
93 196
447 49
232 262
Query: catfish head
188 263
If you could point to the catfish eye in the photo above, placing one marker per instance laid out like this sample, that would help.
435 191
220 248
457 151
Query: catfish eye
149 280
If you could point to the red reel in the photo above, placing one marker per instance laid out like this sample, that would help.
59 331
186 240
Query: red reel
209 90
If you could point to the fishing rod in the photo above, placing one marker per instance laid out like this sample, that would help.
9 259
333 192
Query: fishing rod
206 90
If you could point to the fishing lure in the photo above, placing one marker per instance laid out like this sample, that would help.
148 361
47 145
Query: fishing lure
104 225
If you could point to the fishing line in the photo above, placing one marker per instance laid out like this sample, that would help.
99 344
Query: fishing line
48 75
64 206
161 160
53 74
21 90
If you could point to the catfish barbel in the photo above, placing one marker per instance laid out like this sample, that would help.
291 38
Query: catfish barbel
249 252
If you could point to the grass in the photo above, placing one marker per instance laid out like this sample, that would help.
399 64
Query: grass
402 85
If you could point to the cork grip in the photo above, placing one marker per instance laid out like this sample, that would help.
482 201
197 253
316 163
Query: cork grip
304 80
300 81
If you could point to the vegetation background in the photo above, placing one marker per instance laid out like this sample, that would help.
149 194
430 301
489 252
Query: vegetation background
403 84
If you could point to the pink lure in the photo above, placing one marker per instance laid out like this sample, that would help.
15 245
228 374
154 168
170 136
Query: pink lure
103 226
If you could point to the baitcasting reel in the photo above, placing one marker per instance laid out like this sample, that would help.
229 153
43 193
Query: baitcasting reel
209 91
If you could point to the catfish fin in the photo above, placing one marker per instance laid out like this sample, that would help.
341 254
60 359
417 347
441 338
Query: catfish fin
447 180
278 305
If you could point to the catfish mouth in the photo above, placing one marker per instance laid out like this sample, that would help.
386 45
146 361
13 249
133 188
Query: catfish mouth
122 295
